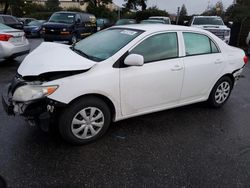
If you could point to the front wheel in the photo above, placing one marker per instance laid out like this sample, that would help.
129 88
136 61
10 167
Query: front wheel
85 120
220 92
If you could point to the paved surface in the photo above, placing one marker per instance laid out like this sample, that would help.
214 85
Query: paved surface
192 146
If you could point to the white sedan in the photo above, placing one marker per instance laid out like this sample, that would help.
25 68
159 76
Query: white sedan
13 42
122 72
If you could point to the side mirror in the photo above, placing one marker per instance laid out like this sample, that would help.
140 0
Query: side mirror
134 60
231 23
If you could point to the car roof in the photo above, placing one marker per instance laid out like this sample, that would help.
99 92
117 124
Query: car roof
158 27
165 17
206 16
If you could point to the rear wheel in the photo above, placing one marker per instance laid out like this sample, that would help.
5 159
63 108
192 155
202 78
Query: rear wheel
220 92
85 120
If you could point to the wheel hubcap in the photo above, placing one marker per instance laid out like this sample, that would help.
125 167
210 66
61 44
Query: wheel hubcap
222 92
87 123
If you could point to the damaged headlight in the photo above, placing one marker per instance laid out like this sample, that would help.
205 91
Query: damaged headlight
32 92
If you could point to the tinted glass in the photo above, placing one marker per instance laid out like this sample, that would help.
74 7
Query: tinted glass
197 44
104 44
214 47
4 27
62 18
35 23
158 47
152 21
208 21
8 19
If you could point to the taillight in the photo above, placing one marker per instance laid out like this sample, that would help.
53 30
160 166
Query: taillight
245 59
5 37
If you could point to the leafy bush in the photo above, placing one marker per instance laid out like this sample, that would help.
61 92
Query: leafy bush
102 12
145 14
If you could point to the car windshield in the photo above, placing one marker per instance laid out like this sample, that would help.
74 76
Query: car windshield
166 21
62 18
151 21
125 21
35 23
104 44
208 21
4 27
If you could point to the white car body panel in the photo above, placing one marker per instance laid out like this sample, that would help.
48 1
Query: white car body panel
70 61
15 45
136 90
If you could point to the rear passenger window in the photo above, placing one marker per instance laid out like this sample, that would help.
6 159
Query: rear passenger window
158 47
197 44
1 19
214 47
8 19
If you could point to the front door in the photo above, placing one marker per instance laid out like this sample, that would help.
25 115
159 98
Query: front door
157 84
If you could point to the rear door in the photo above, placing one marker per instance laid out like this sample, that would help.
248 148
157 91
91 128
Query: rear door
203 64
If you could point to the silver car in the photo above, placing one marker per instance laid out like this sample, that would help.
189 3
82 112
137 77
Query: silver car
13 42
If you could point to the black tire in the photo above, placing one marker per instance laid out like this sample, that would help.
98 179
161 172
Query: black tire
72 112
74 39
214 95
47 40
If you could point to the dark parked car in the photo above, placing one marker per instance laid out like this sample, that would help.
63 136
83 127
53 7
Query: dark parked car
26 21
103 23
34 28
10 21
69 26
125 22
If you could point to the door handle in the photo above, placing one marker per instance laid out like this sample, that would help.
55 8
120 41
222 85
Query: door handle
218 61
176 68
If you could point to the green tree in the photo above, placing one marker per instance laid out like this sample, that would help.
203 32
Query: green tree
52 5
239 11
132 4
183 11
15 6
101 11
217 10
98 3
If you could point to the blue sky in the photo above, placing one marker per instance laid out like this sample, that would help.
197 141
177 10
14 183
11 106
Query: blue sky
193 6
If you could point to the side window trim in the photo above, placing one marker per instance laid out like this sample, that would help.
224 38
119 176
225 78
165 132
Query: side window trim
210 40
157 33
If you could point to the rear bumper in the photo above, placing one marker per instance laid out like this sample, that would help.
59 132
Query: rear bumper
8 49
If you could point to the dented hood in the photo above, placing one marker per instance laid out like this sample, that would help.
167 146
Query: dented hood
53 57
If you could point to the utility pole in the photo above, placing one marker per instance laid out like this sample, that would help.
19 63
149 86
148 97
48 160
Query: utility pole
178 15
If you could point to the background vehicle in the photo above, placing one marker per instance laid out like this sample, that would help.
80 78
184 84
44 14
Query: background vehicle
89 84
34 28
151 21
12 42
10 21
69 26
248 39
248 43
165 19
125 22
26 21
103 23
214 24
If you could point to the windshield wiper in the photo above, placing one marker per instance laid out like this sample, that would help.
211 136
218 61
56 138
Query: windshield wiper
79 52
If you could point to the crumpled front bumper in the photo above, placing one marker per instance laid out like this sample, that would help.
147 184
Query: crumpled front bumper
7 104
37 112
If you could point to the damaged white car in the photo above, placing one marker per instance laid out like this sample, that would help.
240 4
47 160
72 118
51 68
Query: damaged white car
121 72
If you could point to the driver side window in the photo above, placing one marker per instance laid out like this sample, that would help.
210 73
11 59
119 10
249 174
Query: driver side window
158 47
